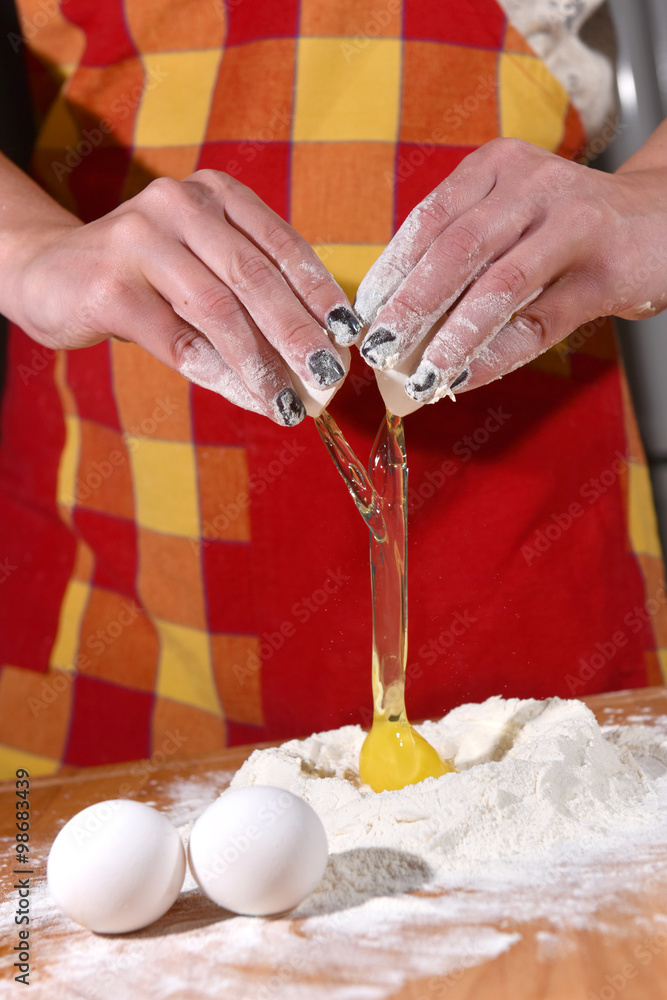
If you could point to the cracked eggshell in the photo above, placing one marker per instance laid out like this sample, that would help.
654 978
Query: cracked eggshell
258 850
116 866
391 384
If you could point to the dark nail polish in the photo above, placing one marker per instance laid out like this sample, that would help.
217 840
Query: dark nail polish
291 409
378 346
460 379
429 381
344 325
325 367
423 384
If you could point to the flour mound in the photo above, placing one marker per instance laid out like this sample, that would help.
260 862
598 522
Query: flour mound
532 776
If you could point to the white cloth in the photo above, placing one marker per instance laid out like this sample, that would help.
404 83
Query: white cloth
553 29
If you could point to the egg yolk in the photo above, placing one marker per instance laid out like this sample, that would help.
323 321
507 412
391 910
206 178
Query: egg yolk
394 755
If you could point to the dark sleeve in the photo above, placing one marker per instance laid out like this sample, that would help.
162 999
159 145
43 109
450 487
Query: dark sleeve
17 129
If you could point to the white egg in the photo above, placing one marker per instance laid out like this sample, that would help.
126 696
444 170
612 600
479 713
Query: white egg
258 850
116 866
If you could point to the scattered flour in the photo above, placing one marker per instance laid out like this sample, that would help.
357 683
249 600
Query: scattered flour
533 775
553 825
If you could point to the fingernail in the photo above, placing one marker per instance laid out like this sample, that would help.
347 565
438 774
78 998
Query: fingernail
460 379
423 384
379 348
325 368
290 408
344 325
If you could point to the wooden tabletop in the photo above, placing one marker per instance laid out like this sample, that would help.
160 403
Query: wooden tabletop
198 950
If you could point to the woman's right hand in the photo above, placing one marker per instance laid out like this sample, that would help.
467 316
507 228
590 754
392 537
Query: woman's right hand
199 272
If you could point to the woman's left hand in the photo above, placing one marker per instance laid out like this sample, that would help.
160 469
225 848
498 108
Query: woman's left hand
516 249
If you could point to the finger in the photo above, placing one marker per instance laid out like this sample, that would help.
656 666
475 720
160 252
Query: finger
199 298
251 276
468 184
142 316
551 317
453 261
506 288
294 258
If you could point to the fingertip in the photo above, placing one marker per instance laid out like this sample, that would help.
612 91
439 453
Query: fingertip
423 384
380 349
344 325
325 368
289 408
428 383
368 300
460 379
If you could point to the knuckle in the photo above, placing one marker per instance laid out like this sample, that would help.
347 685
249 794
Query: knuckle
431 212
267 371
161 192
553 174
210 178
208 183
406 306
283 242
507 148
131 228
299 334
318 288
505 278
537 324
248 268
216 303
179 345
465 240
103 293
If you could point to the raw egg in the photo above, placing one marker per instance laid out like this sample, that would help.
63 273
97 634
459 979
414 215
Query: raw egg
394 755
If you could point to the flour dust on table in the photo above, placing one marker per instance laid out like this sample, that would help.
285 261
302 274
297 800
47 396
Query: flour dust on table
534 777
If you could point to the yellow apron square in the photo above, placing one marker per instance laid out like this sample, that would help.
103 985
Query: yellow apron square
177 96
164 475
346 92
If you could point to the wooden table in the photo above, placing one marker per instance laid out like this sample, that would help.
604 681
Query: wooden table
198 950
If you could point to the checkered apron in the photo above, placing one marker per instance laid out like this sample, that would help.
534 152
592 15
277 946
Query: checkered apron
180 574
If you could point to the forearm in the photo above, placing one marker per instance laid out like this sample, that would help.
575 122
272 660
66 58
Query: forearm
29 217
652 155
